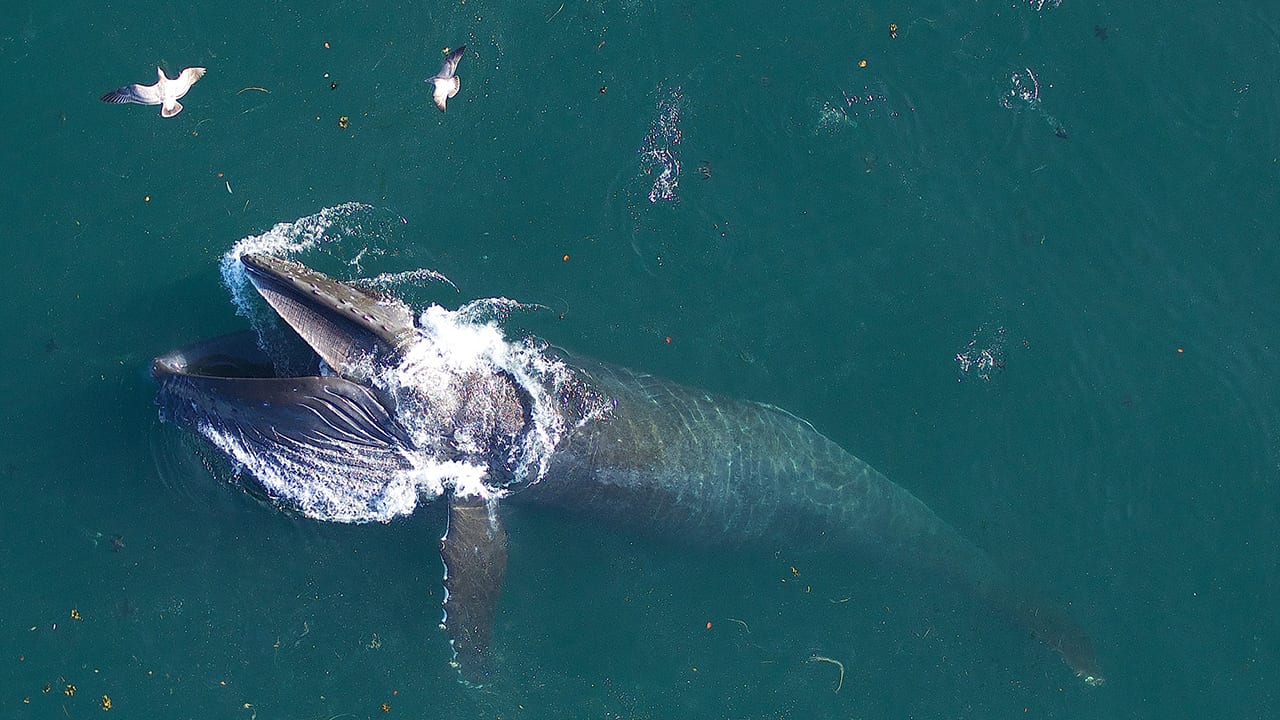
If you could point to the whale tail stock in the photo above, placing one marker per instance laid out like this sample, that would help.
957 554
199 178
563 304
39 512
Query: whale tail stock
1050 623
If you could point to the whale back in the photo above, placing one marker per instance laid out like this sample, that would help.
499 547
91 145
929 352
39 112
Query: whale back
718 468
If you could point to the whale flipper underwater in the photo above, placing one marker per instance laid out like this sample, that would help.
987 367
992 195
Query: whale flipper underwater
387 409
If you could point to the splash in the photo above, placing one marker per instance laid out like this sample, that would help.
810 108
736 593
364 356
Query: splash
855 106
390 282
983 355
660 152
458 356
1024 92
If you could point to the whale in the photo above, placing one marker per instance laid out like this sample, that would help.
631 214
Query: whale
357 409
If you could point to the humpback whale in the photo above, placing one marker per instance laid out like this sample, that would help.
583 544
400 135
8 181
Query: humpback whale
374 409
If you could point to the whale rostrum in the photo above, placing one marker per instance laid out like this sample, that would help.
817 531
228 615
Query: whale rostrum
377 409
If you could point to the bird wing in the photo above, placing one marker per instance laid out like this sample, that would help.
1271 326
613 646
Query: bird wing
187 78
135 93
450 64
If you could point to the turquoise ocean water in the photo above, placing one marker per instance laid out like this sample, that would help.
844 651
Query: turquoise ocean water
1086 192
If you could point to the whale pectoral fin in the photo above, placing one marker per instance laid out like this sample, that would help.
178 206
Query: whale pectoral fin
474 550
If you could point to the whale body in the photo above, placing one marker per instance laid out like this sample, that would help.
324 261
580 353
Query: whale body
379 409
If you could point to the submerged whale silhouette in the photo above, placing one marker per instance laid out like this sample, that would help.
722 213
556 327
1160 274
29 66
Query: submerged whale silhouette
387 408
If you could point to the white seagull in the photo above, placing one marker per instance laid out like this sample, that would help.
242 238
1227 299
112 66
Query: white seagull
165 92
445 82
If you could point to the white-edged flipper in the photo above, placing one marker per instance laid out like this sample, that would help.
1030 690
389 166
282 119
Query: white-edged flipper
165 92
445 84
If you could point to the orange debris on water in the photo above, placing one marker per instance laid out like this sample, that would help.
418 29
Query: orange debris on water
708 624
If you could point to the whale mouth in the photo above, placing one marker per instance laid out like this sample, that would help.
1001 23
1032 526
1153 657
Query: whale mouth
317 444
230 356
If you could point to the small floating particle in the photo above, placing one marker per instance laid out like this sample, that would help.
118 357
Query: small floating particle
146 199
326 45
893 31
708 624
229 187
106 703
47 688
668 339
604 89
219 174
564 259
343 122
384 707
1179 349
862 63
69 690
333 86
75 614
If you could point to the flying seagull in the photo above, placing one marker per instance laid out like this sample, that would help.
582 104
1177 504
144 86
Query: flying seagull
165 92
445 82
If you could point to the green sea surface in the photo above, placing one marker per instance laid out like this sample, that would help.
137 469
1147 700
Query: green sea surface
1023 261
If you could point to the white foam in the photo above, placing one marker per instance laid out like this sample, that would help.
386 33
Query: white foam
324 488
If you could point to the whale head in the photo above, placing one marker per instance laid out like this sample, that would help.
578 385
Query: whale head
347 418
